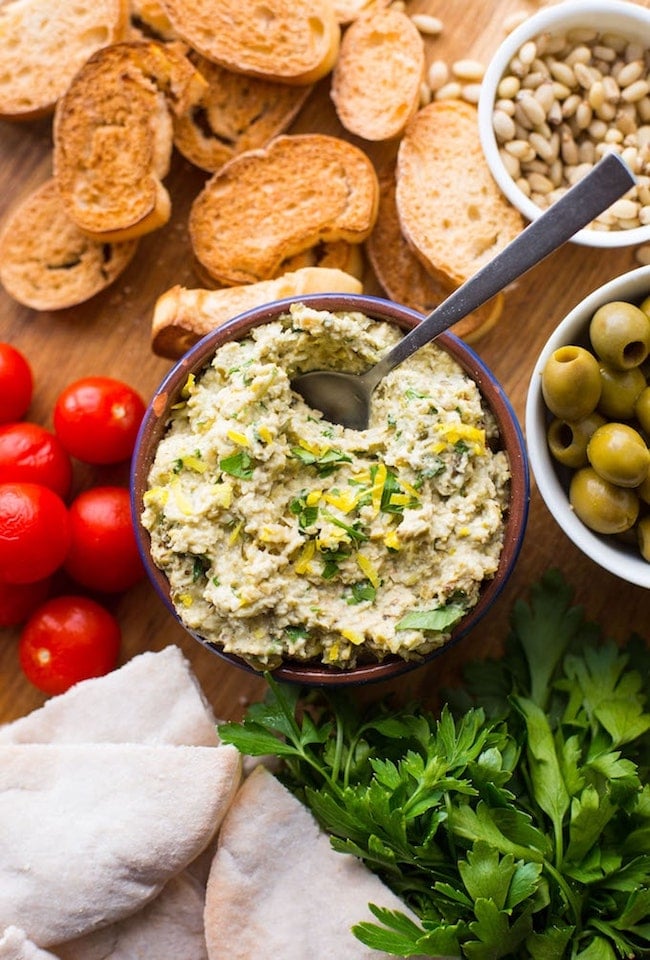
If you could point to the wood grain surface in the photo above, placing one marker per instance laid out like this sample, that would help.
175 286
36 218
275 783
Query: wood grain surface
110 335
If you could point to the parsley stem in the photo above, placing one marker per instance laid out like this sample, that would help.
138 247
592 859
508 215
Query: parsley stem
569 896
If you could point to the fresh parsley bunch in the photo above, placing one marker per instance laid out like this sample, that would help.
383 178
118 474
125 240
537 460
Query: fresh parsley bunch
516 823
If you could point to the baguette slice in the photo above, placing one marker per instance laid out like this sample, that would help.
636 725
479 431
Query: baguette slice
150 20
377 78
266 205
42 45
293 41
181 316
451 211
113 137
348 10
47 263
235 114
337 255
405 279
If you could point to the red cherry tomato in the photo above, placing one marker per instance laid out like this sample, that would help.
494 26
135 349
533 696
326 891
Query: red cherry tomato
97 419
30 453
66 640
103 553
19 600
16 384
34 532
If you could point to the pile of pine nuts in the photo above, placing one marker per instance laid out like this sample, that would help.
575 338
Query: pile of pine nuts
567 100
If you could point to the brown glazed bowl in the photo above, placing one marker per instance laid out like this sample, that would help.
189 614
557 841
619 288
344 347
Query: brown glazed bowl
198 357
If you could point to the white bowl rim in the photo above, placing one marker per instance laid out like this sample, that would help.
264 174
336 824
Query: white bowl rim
606 553
569 13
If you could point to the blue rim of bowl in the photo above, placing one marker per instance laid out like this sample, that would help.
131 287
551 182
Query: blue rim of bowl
606 553
317 674
571 12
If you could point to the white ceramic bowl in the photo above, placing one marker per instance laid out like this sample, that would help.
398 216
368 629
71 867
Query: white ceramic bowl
618 16
552 480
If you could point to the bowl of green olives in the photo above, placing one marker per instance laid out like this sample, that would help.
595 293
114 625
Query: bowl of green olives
588 425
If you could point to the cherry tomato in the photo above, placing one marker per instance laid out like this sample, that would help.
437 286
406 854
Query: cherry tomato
103 553
66 640
19 600
16 384
34 532
30 453
97 419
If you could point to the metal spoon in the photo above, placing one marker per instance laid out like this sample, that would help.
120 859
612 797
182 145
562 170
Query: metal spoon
345 398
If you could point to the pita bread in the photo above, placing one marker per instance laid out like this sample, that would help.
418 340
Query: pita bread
301 897
158 697
92 832
168 928
14 945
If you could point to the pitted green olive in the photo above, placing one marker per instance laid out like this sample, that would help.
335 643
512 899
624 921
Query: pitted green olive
571 383
620 334
568 439
643 537
601 505
618 453
643 490
620 390
642 409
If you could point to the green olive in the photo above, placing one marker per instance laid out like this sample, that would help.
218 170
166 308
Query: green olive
645 306
642 409
619 391
620 334
618 453
571 383
568 439
643 490
643 537
601 505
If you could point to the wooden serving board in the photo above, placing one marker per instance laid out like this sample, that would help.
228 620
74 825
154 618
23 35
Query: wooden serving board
110 335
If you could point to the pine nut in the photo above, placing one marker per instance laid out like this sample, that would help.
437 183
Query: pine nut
635 91
437 75
431 26
471 92
450 91
504 126
513 20
471 70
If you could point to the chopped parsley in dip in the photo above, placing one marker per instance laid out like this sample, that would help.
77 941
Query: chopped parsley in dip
284 536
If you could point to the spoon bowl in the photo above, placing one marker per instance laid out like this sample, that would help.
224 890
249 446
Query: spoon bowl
346 398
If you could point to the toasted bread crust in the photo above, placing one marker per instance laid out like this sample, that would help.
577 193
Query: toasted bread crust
113 137
377 78
181 316
293 41
451 211
236 113
43 44
406 280
241 234
47 263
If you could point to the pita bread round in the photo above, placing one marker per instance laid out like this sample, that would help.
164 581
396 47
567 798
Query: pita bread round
168 928
277 889
14 945
92 832
159 701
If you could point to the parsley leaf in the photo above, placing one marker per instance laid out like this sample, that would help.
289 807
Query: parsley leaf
515 822
238 464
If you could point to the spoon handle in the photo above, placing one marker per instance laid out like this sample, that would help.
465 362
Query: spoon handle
608 180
